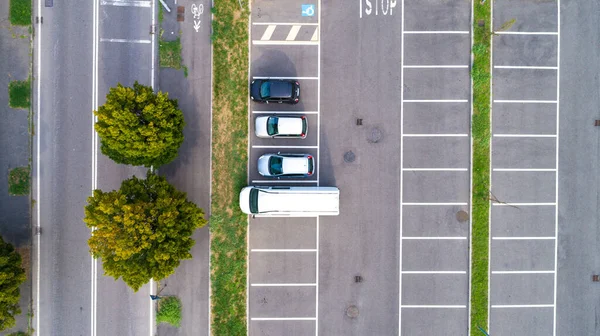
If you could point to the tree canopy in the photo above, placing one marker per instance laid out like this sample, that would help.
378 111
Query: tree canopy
139 127
12 275
142 230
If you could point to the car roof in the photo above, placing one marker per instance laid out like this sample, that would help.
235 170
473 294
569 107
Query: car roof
294 165
289 125
281 89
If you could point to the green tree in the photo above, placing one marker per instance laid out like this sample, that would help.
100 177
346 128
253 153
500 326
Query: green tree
142 230
12 275
139 127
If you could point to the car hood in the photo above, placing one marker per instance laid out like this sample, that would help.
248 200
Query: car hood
255 89
260 126
245 200
263 165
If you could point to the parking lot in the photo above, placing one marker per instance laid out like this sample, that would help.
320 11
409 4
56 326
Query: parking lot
524 218
283 252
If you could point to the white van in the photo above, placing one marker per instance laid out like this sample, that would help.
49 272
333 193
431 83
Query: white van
290 201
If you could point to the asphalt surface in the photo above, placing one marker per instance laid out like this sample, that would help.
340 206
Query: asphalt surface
578 234
190 172
15 146
65 178
524 169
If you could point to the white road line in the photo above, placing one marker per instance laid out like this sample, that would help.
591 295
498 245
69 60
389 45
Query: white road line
268 33
435 169
434 238
525 204
126 3
435 135
436 32
291 43
297 78
283 318
284 24
435 101
298 147
38 134
524 169
401 171
434 203
434 272
556 176
95 50
125 41
504 101
525 306
524 135
283 285
435 66
153 60
525 67
524 33
284 181
318 165
293 33
317 273
285 112
435 306
523 238
523 272
283 250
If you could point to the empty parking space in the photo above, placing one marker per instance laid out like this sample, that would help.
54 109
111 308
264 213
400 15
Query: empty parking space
436 187
434 15
286 327
524 153
430 321
525 50
283 268
436 153
435 255
432 221
282 302
540 291
528 16
531 118
282 234
523 221
434 289
523 187
423 50
530 320
436 118
525 84
522 255
288 61
436 84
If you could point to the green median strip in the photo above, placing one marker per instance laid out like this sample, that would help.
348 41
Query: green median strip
480 73
228 225
20 12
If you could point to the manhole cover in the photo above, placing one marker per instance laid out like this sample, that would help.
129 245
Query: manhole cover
375 135
462 216
349 156
352 311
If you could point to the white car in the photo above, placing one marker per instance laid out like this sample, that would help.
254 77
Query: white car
281 127
286 165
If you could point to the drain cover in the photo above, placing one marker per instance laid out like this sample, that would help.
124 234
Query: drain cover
462 216
349 156
352 311
375 135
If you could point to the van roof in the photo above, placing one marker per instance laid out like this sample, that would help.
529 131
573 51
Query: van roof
273 201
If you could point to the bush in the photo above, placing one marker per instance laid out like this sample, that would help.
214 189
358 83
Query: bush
169 311
20 12
19 94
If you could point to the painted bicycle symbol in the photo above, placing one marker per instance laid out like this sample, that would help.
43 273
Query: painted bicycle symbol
197 10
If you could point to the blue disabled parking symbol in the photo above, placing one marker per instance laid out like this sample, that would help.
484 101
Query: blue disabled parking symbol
308 10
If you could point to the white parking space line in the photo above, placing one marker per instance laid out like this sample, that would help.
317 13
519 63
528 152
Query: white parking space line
524 33
268 32
524 169
436 32
525 204
283 318
435 306
525 67
523 272
283 24
435 169
125 41
524 135
298 78
435 101
284 285
435 66
525 306
524 238
315 35
434 238
295 43
293 33
285 112
126 3
434 272
284 181
283 250
525 101
299 147
431 203
435 135
556 176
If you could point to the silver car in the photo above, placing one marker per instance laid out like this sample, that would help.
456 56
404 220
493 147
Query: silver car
286 165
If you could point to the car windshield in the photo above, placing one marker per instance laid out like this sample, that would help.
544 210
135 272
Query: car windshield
265 90
275 165
254 200
272 126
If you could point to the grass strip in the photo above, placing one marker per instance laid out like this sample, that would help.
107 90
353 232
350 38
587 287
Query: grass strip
20 12
169 53
18 181
19 93
228 225
169 311
481 166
